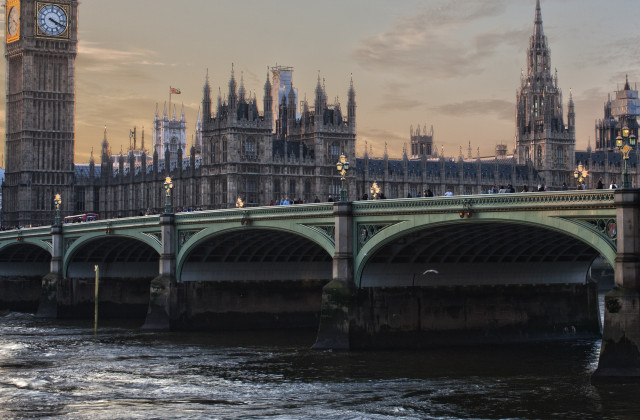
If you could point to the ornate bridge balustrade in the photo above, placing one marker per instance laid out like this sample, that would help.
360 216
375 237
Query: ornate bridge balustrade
359 270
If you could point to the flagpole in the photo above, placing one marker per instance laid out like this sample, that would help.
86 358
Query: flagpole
170 92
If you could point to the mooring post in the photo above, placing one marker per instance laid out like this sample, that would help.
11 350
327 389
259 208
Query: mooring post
337 295
163 293
620 351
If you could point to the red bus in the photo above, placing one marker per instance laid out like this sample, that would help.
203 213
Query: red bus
81 218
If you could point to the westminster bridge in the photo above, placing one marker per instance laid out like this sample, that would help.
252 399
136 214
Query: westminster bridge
378 273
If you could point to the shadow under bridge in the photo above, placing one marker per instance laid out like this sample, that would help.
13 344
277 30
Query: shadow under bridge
254 278
481 253
127 266
257 255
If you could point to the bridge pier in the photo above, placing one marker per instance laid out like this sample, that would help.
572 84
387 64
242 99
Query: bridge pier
338 295
620 351
163 299
48 307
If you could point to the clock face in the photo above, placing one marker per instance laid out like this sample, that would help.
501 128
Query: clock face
13 21
52 20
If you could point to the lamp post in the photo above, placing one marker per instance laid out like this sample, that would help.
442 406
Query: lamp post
57 201
239 203
374 190
168 186
342 166
625 142
580 174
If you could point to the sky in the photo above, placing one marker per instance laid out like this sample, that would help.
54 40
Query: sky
451 64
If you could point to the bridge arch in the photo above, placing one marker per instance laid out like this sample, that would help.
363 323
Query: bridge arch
242 252
117 255
498 247
25 258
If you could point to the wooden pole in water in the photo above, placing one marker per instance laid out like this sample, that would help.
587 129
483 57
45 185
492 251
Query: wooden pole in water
95 319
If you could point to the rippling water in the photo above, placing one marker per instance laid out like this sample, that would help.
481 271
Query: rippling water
53 368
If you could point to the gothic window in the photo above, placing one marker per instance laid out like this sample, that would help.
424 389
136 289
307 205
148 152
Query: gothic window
334 189
224 150
559 156
251 191
79 200
250 147
527 153
292 189
173 146
334 152
539 156
224 191
276 189
307 191
96 199
535 104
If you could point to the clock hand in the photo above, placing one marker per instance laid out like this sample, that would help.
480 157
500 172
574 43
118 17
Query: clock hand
54 21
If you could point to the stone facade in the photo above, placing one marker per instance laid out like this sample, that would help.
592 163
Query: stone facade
40 110
286 150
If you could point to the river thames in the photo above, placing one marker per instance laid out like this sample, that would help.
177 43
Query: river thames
60 369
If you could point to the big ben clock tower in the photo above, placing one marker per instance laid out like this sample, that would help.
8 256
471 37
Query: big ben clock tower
40 51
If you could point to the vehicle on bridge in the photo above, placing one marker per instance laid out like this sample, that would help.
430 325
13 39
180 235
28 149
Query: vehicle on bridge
81 218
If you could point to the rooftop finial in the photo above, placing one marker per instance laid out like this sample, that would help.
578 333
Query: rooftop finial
538 21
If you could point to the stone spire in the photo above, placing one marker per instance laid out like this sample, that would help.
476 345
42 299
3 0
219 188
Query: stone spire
351 106
232 96
537 30
206 98
268 100
571 114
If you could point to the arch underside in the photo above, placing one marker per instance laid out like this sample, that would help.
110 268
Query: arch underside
479 253
256 254
117 256
24 260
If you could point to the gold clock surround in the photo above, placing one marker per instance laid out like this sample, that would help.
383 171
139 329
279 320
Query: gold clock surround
39 32
12 17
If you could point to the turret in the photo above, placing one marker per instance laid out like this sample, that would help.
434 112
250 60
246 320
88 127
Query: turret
206 99
268 101
319 102
571 114
241 90
105 157
291 108
351 107
232 98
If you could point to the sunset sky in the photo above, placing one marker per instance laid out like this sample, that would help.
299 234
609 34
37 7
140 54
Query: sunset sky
453 64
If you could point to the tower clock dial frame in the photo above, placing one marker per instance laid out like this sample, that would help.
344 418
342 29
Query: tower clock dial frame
12 28
52 20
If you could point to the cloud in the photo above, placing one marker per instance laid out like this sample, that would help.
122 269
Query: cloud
439 41
95 62
504 110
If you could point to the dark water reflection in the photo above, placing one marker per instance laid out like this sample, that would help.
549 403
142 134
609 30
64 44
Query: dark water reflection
60 369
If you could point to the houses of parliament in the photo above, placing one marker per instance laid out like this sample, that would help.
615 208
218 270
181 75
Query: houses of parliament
263 152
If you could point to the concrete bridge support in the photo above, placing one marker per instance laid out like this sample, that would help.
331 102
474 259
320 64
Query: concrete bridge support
48 307
163 300
620 351
338 295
